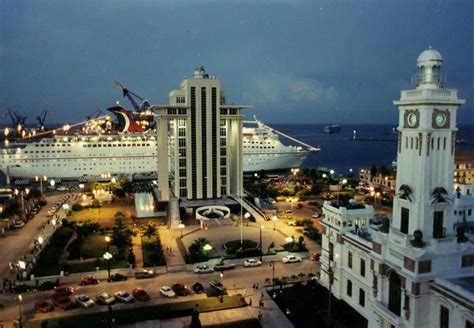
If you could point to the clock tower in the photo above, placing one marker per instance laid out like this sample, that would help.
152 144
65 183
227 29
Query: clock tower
426 142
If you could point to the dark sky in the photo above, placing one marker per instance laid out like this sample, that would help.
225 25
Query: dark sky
297 61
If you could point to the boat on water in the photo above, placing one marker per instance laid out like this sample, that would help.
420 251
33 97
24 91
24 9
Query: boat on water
332 128
125 148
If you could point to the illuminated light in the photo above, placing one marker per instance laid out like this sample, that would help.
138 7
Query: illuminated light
207 247
40 240
6 131
289 239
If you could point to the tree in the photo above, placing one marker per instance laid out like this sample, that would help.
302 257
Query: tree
373 171
150 229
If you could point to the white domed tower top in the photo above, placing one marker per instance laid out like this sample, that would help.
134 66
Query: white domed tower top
429 65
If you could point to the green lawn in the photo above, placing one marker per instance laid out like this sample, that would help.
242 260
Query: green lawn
89 266
136 314
152 252
105 215
94 246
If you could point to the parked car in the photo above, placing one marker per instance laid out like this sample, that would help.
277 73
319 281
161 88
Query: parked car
85 301
47 285
144 274
123 297
167 291
315 256
299 205
105 299
217 285
288 211
117 277
64 303
291 259
18 224
198 288
140 294
62 291
89 280
222 266
291 223
43 306
181 290
271 201
203 268
252 263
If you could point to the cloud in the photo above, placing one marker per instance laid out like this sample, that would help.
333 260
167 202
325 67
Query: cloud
280 89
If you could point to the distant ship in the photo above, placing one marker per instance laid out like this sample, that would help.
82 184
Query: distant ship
125 148
332 128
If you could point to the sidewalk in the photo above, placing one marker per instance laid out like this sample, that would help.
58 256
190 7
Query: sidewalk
137 251
170 247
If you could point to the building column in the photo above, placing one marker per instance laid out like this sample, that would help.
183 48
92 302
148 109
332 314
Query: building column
162 155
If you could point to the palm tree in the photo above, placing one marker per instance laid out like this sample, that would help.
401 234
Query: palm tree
150 230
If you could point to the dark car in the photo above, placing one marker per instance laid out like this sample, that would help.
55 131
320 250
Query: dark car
217 285
64 303
140 294
62 291
117 277
198 288
222 266
89 280
43 306
181 290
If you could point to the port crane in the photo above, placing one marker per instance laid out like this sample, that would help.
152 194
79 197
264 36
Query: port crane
41 118
133 98
97 113
18 120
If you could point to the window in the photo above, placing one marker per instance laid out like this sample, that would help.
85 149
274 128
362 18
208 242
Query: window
404 220
331 251
362 267
438 230
349 259
361 297
443 317
349 288
467 260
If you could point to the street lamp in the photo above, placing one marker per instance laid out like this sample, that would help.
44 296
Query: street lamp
261 250
246 216
108 257
272 265
274 219
20 300
22 266
181 227
222 286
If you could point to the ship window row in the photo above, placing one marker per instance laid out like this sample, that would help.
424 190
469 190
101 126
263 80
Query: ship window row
53 145
116 145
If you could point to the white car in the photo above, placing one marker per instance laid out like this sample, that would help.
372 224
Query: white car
252 263
85 301
203 268
167 291
291 259
19 224
124 297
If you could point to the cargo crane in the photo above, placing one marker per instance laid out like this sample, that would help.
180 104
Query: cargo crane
18 120
143 115
97 113
133 97
41 118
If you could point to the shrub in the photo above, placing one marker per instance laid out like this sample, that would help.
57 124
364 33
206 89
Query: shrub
77 207
197 252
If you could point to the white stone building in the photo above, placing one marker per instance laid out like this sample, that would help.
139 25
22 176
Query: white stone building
202 137
418 269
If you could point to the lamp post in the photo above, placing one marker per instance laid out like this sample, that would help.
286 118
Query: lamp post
20 300
222 286
246 216
181 226
274 219
108 257
261 250
272 265
22 267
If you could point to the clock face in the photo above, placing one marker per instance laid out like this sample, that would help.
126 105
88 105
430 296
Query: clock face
412 118
440 119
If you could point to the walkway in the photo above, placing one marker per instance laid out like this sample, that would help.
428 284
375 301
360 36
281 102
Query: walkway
173 257
137 251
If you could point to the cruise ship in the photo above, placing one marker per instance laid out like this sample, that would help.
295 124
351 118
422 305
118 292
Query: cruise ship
125 148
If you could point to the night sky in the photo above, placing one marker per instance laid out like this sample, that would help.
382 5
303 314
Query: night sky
338 61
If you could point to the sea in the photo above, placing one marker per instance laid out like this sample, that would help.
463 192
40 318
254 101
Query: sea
373 145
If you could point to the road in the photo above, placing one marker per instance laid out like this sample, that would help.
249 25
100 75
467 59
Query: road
239 280
18 242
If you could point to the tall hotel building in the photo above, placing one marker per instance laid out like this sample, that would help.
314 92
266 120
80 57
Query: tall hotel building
416 270
202 137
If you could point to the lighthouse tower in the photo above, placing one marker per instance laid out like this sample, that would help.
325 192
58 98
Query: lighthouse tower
426 142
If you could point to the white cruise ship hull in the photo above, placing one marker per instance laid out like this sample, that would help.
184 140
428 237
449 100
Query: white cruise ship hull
273 162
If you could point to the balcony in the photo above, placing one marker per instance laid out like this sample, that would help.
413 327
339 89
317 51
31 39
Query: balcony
399 238
383 311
